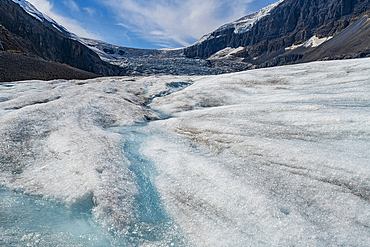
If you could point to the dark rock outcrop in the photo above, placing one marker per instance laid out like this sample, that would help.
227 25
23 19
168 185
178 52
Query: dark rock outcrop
16 67
22 34
352 42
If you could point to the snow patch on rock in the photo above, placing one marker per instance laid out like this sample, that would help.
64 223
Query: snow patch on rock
228 54
312 42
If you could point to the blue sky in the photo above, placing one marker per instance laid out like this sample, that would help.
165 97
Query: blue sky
146 23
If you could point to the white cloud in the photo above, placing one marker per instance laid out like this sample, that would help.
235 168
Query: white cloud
89 10
72 5
124 25
157 33
72 25
166 22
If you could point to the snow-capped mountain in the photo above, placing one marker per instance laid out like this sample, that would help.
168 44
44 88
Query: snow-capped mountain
105 50
36 47
287 31
108 51
246 23
102 49
133 61
242 25
33 11
292 31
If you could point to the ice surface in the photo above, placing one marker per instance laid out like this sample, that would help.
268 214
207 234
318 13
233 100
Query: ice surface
54 143
269 157
288 160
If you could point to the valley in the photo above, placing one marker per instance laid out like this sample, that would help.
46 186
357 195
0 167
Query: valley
255 135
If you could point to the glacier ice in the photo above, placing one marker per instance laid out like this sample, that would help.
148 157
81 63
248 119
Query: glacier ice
289 160
269 157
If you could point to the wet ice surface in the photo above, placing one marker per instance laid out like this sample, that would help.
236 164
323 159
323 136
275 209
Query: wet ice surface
32 221
270 157
153 225
54 144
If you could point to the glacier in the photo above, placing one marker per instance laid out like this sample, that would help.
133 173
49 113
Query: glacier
144 62
268 157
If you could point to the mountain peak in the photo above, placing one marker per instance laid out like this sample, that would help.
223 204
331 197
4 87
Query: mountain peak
32 42
243 24
34 12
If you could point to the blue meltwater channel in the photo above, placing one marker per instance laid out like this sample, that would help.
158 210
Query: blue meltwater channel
154 226
27 220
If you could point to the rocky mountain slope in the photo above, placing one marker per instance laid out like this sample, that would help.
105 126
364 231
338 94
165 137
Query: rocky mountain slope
26 37
285 32
34 12
289 25
15 67
131 61
239 26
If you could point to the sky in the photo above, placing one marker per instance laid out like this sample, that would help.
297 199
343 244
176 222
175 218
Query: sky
146 24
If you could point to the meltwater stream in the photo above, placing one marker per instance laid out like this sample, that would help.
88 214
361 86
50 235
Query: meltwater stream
81 185
154 226
27 220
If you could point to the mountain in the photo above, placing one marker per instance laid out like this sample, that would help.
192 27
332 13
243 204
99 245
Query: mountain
37 40
292 31
130 61
240 26
33 11
285 32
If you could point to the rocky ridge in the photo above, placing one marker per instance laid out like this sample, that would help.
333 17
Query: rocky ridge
292 22
285 32
24 35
